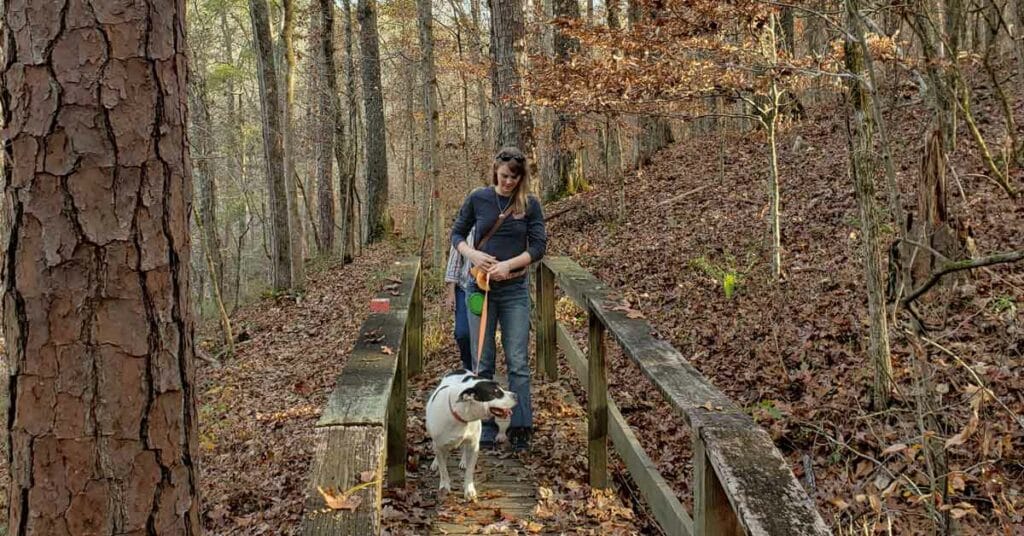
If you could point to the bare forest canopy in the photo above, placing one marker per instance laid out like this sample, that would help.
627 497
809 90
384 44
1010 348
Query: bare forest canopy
173 164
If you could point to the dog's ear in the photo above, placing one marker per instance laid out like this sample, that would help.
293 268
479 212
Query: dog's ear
469 393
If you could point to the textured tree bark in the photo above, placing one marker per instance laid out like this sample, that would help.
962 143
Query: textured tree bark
98 322
940 89
327 92
508 31
476 56
613 147
273 148
376 142
425 23
862 168
347 171
566 180
297 235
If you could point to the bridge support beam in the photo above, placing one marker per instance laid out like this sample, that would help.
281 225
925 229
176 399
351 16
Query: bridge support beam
597 405
547 351
712 514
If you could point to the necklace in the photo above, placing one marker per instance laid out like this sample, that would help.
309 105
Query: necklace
497 201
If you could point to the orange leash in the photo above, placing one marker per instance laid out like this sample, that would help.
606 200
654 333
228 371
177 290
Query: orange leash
483 280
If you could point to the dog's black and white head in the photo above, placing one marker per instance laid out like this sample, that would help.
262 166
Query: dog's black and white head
489 396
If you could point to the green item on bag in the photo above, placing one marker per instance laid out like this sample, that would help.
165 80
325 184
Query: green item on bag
476 303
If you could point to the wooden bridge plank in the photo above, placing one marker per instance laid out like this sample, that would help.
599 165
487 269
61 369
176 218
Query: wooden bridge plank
660 497
341 454
765 496
361 393
759 483
683 386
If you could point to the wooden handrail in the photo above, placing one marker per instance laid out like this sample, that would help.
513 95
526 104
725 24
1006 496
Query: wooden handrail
361 431
742 483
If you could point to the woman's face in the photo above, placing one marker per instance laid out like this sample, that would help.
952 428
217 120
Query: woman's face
507 180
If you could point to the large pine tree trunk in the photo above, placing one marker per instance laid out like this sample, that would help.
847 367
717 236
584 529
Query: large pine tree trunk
327 91
376 142
99 331
425 22
508 31
273 147
298 240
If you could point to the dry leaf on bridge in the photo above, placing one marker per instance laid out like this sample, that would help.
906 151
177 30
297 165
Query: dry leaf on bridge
339 501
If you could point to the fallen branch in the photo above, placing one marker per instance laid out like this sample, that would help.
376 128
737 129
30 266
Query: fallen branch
556 214
682 195
201 354
949 267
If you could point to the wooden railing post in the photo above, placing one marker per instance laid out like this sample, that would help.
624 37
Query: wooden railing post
712 513
597 405
396 446
547 357
415 327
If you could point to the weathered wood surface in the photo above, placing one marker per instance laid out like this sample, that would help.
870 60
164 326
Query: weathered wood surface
397 449
761 487
547 358
502 483
362 390
712 512
342 453
597 406
414 335
662 501
765 496
683 386
364 419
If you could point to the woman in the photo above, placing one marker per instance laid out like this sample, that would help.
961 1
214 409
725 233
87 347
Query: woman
504 254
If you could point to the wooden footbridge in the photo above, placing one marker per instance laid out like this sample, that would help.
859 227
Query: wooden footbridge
741 483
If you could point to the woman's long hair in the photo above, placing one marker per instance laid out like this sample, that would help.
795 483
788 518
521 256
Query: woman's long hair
516 161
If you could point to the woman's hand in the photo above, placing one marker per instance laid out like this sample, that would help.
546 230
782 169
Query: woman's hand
499 271
481 259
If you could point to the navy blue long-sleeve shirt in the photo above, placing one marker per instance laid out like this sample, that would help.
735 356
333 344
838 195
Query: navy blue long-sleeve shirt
516 235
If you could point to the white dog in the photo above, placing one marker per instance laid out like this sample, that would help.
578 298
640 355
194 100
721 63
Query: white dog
454 412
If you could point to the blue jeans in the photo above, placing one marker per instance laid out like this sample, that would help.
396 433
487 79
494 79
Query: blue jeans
462 328
508 304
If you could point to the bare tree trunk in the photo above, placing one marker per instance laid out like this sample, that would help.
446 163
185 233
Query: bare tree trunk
326 104
654 133
202 136
376 143
565 178
425 22
348 170
96 290
297 234
862 169
273 147
232 143
508 32
939 89
613 145
476 55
